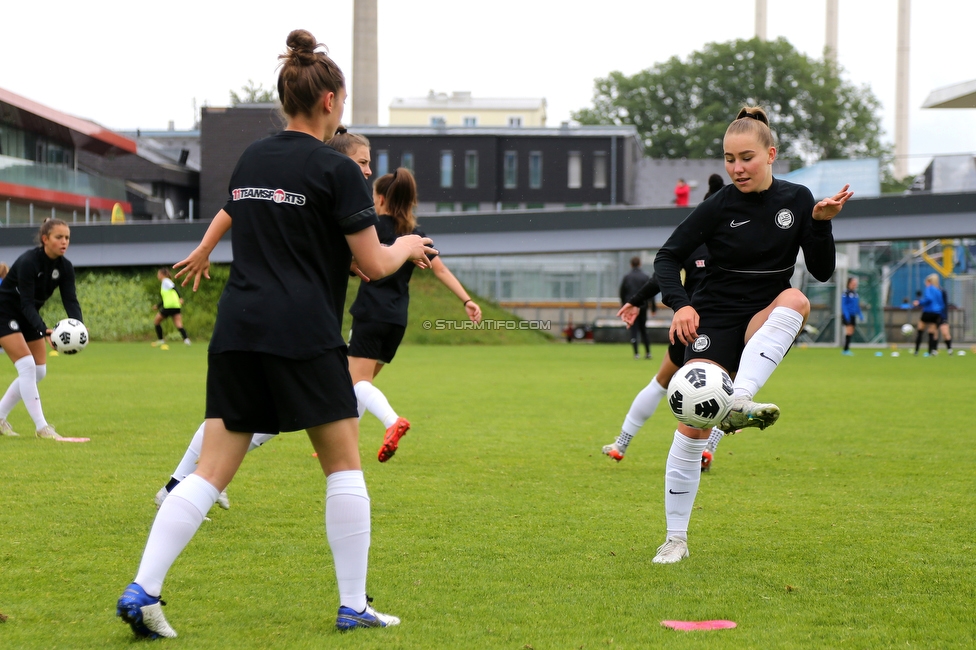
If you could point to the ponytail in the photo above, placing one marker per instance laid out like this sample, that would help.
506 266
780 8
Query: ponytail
399 190
752 120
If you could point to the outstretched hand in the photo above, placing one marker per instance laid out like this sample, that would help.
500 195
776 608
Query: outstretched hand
829 208
196 264
628 314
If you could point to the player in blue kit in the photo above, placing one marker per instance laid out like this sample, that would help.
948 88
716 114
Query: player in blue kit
744 316
850 311
300 211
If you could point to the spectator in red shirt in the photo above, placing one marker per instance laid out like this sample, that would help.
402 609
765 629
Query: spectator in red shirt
681 192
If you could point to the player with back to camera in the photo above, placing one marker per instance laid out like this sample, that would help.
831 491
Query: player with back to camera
744 316
850 311
28 284
646 401
932 303
356 146
277 361
630 285
169 306
379 313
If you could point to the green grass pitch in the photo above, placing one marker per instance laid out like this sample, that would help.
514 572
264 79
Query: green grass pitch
499 524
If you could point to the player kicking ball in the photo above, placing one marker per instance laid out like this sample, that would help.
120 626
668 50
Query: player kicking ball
745 315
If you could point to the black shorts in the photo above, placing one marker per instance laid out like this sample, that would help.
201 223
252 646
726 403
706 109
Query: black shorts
849 321
377 341
676 352
255 391
166 312
931 317
721 339
15 323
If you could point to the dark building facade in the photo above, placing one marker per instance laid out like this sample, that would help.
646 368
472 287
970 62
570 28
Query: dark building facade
457 169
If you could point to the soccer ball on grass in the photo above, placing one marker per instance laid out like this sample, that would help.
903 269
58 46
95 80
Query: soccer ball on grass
700 394
70 336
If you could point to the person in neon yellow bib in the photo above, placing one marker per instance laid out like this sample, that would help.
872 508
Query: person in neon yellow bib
168 307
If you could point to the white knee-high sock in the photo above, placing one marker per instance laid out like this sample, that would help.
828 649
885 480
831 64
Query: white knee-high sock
681 479
361 408
27 378
176 523
189 463
347 528
643 407
714 438
259 439
765 350
375 402
10 398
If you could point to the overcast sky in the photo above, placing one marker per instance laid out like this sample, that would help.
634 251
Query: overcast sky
134 64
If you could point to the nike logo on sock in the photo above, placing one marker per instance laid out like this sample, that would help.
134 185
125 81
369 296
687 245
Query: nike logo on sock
763 355
741 223
673 492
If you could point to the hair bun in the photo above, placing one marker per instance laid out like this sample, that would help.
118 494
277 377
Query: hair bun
302 46
755 113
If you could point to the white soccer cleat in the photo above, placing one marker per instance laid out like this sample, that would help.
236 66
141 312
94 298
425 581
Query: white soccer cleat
186 342
47 431
160 496
6 429
223 501
154 619
613 451
673 550
746 413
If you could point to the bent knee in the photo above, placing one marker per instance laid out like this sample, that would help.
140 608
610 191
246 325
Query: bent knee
794 299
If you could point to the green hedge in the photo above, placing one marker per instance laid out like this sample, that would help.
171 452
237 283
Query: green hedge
118 305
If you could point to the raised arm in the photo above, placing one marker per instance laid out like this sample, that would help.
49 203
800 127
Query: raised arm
197 263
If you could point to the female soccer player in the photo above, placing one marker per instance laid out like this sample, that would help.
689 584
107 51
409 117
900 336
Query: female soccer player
355 146
932 304
379 314
850 309
168 307
744 316
28 284
277 360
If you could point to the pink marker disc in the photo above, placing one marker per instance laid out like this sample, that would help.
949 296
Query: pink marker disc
72 439
688 626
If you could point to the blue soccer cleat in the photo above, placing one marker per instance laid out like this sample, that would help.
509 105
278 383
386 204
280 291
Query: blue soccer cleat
143 613
350 619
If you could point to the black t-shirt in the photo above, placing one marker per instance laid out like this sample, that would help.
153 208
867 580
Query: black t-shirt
31 281
631 283
388 299
753 240
292 200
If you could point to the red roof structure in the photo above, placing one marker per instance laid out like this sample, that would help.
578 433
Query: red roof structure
56 125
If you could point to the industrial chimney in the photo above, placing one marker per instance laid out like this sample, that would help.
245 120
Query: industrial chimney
364 89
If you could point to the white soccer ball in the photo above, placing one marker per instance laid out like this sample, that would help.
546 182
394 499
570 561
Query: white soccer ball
908 330
70 336
700 394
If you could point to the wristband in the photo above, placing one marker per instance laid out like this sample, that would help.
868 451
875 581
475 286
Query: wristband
467 301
